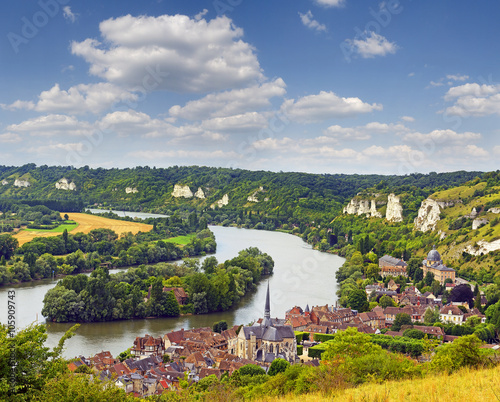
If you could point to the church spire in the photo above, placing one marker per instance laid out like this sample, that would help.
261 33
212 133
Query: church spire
267 309
266 322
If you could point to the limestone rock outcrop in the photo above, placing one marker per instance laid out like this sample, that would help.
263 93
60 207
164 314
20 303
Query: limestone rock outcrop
394 212
428 215
21 183
199 193
182 191
4 182
64 184
220 203
131 190
357 207
483 247
253 197
478 222
492 210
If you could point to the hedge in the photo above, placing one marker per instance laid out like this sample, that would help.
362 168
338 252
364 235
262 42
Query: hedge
323 337
301 336
300 350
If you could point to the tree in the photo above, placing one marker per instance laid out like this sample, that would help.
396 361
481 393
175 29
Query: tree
462 293
8 245
400 320
349 344
278 366
463 352
251 370
386 301
429 278
34 364
357 300
431 316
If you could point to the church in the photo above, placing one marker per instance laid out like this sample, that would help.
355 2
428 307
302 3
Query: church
434 265
269 340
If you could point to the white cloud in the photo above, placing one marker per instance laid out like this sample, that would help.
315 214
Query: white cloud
411 74
325 105
496 149
309 21
474 100
68 14
251 121
10 138
448 137
201 14
51 125
372 45
233 102
49 149
436 84
83 98
273 144
131 122
17 105
457 77
173 53
408 119
330 3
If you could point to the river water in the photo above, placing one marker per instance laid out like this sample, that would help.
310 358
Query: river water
301 276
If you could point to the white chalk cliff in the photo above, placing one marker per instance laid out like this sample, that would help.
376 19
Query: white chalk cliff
394 212
64 184
4 182
368 207
22 183
199 193
253 197
182 191
428 215
131 190
478 222
492 210
220 203
483 247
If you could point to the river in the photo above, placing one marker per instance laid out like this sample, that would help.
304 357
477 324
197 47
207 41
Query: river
301 276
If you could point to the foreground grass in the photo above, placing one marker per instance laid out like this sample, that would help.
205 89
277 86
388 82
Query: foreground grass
464 385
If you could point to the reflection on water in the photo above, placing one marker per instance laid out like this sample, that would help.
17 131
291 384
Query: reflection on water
301 276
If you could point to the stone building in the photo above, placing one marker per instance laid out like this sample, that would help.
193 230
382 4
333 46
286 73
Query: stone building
390 266
434 264
269 340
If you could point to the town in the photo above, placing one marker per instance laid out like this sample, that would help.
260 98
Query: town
154 365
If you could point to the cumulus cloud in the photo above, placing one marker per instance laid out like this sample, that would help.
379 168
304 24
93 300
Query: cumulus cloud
447 137
229 103
18 105
51 125
474 100
325 105
10 138
309 21
372 45
174 53
330 3
251 121
408 119
68 14
457 77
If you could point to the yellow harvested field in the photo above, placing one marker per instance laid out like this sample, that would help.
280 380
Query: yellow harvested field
86 223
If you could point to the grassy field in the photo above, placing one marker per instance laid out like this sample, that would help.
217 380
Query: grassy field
181 240
465 385
85 223
58 229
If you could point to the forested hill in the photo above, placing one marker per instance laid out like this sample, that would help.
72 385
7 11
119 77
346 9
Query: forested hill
152 188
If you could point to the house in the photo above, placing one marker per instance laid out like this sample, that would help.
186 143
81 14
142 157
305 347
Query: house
180 295
173 338
390 266
372 319
147 346
451 314
434 265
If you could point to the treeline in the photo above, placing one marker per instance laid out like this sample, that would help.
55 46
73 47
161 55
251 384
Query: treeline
139 292
45 257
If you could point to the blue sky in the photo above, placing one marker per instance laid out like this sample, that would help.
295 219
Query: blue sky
322 86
